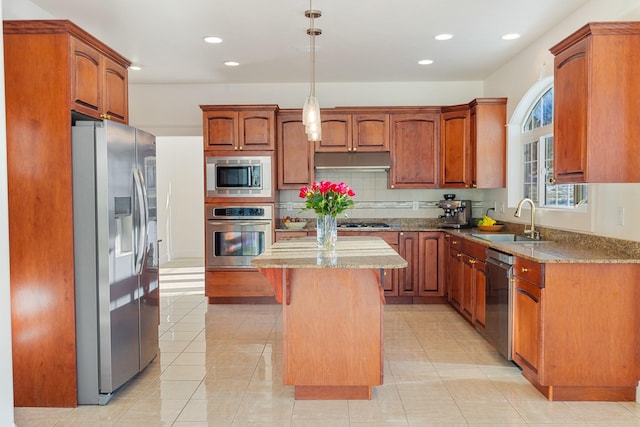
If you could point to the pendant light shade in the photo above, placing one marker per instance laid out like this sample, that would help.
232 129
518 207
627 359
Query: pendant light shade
311 109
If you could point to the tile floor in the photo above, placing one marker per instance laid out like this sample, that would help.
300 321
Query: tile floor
220 365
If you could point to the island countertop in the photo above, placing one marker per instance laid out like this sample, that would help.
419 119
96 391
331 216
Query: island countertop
349 252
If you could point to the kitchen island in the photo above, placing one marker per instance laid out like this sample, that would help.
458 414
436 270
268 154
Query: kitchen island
332 313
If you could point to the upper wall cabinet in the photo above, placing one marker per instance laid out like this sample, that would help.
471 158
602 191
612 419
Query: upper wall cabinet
97 77
99 85
415 139
295 152
596 104
488 120
473 144
239 127
455 147
354 131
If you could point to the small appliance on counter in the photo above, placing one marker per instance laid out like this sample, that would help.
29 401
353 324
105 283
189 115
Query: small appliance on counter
457 213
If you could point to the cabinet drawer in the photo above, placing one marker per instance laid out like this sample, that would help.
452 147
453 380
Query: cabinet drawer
475 250
455 242
530 271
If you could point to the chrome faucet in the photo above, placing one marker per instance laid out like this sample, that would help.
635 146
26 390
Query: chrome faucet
532 231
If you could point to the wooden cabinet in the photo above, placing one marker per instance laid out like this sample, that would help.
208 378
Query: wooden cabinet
408 249
596 97
431 264
239 127
41 72
473 144
336 132
488 138
414 150
370 131
474 283
527 313
467 279
295 152
455 147
455 273
348 131
568 322
99 85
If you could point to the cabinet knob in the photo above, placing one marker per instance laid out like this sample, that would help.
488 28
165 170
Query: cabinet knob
241 147
472 261
235 148
459 255
524 269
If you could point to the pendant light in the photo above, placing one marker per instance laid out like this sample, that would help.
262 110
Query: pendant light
311 109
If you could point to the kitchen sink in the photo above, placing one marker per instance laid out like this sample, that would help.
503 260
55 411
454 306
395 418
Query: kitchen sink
505 237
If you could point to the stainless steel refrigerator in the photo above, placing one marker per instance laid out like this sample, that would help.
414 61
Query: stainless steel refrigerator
116 255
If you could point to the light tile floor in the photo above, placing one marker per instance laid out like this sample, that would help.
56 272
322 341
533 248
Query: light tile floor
220 365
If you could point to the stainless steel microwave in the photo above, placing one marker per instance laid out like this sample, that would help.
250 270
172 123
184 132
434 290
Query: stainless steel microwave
239 176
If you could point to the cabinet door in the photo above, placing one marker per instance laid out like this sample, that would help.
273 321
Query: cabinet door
414 150
488 117
221 130
86 81
455 278
336 132
431 265
408 277
480 283
295 153
390 284
526 324
256 130
455 149
468 305
115 91
570 104
370 132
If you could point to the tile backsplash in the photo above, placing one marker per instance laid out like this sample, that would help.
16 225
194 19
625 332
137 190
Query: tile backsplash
374 199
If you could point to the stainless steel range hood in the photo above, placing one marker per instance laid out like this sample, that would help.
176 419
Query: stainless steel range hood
379 161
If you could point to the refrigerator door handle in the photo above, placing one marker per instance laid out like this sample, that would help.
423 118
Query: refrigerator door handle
143 215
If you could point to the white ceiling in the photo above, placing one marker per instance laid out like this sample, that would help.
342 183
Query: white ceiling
362 40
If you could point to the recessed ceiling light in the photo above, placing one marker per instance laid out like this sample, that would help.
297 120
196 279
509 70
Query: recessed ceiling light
511 36
425 62
231 63
444 36
213 40
135 67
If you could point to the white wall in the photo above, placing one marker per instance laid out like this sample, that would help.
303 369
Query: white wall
173 109
180 200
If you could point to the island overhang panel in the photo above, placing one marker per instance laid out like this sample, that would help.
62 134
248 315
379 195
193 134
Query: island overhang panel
332 313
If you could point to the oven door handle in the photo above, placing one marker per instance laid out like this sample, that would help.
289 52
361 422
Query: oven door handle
234 223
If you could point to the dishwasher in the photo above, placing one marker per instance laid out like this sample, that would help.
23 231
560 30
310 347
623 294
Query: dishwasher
499 297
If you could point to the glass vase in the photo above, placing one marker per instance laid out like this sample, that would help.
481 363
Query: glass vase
327 231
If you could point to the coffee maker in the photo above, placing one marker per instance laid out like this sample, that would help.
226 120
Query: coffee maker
457 213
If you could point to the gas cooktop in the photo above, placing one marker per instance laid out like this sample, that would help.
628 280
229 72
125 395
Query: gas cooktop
363 225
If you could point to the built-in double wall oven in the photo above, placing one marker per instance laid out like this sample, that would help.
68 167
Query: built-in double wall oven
237 234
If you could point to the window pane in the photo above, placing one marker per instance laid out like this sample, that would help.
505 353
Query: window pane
547 108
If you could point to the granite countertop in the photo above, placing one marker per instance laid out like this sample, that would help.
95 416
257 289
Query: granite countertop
350 252
559 251
559 246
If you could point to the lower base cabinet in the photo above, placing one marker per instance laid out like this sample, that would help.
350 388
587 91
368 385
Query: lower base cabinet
576 329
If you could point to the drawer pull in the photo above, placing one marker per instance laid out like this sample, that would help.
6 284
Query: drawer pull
524 269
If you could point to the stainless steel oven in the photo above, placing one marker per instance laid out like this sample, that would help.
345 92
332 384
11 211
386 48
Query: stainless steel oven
239 176
237 234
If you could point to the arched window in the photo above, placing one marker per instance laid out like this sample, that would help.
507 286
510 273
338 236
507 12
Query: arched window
537 159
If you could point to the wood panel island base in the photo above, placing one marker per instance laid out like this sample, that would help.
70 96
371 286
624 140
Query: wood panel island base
332 314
